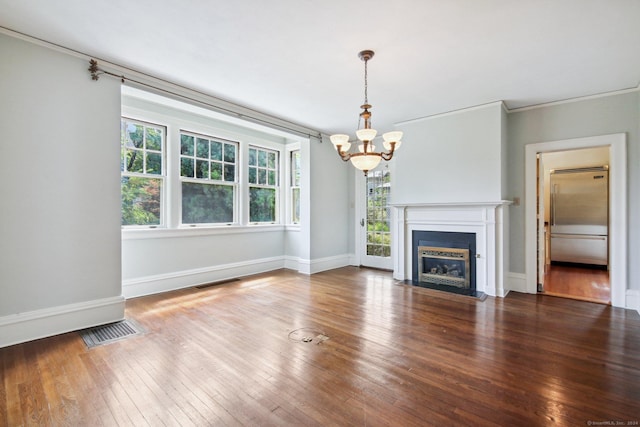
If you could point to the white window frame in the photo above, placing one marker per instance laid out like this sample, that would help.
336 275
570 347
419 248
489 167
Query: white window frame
277 186
208 181
291 186
162 177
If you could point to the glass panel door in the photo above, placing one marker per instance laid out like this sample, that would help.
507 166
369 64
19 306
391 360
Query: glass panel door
376 225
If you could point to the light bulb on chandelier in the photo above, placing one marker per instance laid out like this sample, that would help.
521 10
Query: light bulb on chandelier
366 158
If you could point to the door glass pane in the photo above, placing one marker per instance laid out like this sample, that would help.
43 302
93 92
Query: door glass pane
378 213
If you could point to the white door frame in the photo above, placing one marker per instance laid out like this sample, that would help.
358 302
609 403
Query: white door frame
360 231
617 207
542 232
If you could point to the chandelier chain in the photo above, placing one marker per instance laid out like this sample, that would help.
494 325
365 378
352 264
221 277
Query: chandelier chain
366 97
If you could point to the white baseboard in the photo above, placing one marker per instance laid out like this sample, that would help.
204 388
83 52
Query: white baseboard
354 260
32 325
322 264
291 262
516 282
187 278
633 300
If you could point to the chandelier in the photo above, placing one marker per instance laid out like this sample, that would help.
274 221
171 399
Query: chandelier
366 158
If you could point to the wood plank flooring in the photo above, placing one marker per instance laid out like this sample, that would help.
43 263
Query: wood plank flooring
574 281
397 355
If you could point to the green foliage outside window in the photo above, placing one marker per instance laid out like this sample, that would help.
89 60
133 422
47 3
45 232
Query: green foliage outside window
141 166
208 171
378 213
263 184
262 204
207 203
140 200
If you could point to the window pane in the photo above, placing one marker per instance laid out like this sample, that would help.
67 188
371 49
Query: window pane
207 203
202 148
141 200
272 178
262 176
252 157
202 169
154 163
253 176
262 159
134 135
216 150
186 167
262 204
229 153
142 146
154 139
186 145
272 160
229 173
134 161
295 168
295 205
216 171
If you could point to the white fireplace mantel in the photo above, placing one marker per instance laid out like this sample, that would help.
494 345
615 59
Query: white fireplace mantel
488 220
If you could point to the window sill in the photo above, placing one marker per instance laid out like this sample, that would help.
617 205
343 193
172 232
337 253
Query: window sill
162 233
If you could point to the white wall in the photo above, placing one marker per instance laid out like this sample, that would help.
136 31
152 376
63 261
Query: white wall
60 194
454 157
330 201
617 113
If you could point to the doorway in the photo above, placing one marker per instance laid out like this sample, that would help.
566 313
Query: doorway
571 200
616 144
374 213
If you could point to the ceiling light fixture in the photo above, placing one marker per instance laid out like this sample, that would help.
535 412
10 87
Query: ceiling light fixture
366 158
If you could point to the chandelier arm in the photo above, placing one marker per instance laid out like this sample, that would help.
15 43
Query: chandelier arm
389 155
344 155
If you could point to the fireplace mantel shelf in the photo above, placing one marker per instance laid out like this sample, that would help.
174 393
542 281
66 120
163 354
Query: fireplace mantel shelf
451 204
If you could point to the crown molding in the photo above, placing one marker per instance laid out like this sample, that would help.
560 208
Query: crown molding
454 112
572 100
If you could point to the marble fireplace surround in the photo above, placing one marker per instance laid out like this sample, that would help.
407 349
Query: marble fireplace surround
488 220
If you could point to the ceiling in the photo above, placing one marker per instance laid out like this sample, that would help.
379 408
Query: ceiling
297 59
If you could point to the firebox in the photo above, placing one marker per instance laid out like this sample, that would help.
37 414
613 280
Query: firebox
445 260
444 266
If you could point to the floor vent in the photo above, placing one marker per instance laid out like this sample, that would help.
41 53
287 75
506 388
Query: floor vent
208 285
105 334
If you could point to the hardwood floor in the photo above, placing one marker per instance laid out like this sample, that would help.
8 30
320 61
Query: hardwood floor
573 281
396 355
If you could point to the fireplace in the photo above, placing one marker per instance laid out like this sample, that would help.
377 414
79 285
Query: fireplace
445 261
486 221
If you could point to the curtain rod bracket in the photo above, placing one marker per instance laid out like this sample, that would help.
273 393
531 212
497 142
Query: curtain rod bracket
96 72
93 69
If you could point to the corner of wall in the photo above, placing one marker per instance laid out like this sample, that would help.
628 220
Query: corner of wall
633 300
516 282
